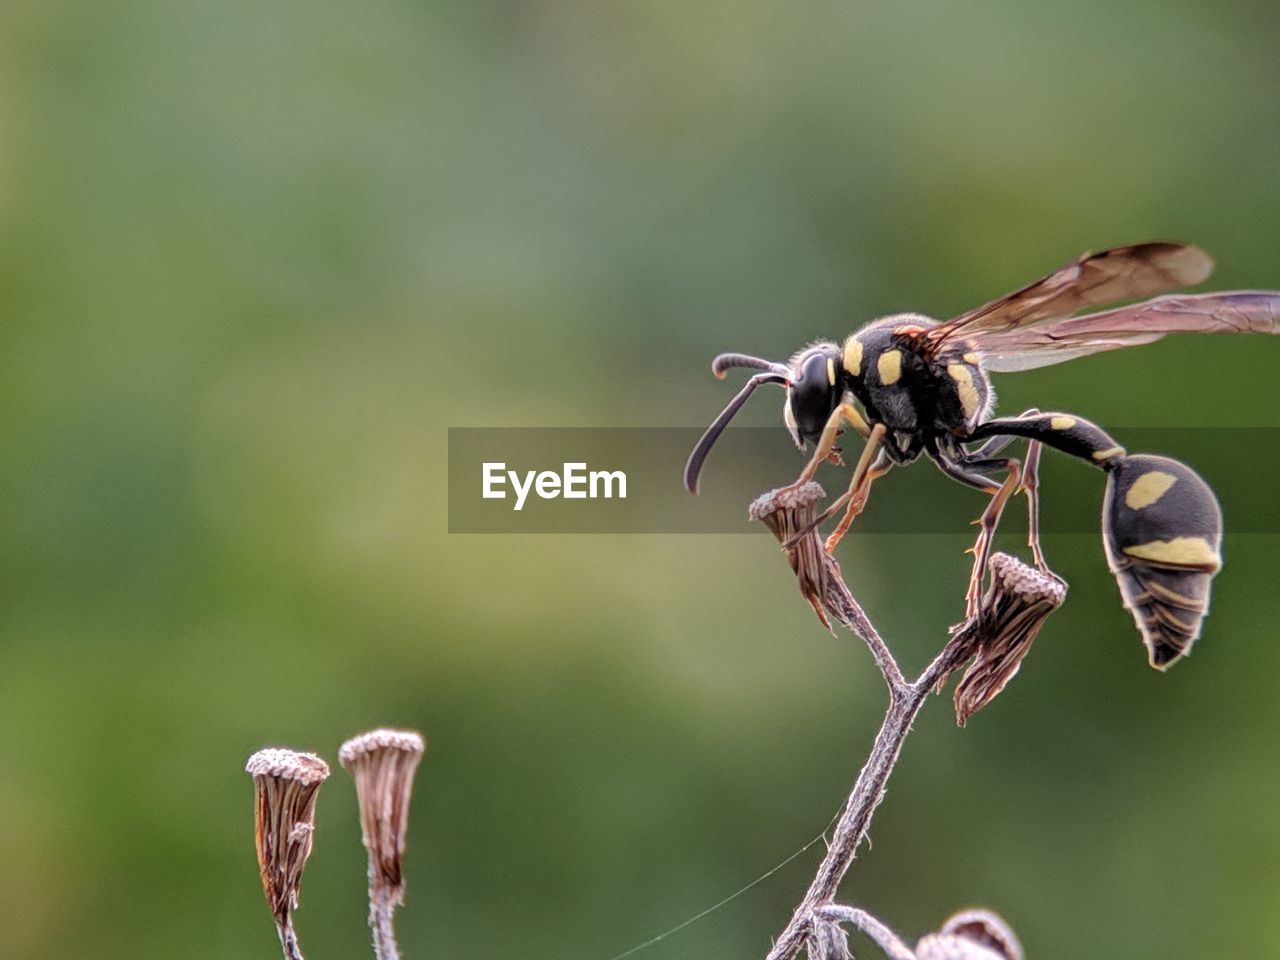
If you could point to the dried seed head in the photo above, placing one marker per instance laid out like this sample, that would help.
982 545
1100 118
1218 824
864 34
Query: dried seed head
971 935
1013 610
786 512
383 763
285 787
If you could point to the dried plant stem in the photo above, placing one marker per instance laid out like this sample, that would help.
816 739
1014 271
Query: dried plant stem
289 941
905 701
888 941
381 910
383 763
785 512
286 783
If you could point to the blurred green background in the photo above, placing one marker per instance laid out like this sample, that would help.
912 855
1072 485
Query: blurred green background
257 259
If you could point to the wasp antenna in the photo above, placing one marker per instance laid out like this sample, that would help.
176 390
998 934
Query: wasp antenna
699 454
727 361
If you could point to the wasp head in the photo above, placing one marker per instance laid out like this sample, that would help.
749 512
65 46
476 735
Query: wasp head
813 393
812 382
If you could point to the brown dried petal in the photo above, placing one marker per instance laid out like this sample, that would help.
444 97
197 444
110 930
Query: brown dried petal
383 763
1014 608
786 512
971 935
285 787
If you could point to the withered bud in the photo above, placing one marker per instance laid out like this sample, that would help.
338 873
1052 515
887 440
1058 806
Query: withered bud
971 935
1018 601
285 787
383 763
786 512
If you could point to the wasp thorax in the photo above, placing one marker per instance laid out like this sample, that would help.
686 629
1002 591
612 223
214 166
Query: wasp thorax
913 390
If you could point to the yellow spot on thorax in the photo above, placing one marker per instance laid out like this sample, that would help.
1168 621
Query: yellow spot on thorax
1148 488
889 366
1062 423
831 371
973 358
1194 552
853 356
970 400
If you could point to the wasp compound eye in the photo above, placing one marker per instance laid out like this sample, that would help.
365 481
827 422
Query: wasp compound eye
814 392
1162 529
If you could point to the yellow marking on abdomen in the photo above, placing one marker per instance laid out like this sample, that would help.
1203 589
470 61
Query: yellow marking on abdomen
889 366
1148 488
1179 552
963 377
1062 423
853 356
1108 453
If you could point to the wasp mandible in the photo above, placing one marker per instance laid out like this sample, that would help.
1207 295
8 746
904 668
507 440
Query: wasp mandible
910 385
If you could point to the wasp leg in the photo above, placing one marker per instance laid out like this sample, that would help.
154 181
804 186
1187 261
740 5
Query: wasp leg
1062 431
844 413
1031 487
996 444
988 450
858 493
864 472
967 472
1030 484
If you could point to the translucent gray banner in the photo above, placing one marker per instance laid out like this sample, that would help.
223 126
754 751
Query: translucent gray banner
628 480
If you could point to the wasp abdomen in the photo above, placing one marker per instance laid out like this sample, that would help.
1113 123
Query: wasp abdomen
1162 529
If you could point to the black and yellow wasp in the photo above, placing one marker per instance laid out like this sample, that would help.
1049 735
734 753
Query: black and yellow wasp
911 385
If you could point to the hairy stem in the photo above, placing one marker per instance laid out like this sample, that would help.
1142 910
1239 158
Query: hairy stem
381 908
905 700
789 513
866 795
885 939
289 940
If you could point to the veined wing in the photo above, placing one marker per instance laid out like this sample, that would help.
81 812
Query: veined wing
1046 343
1095 279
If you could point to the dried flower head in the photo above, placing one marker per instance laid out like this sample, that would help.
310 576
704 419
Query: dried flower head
786 512
971 935
285 787
1014 608
383 763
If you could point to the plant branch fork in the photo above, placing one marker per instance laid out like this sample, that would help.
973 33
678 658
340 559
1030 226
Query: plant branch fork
993 642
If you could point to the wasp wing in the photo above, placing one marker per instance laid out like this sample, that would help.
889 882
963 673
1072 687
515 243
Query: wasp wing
1095 279
1043 344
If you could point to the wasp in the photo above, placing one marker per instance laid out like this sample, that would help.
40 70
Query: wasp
911 386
